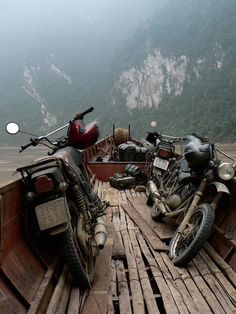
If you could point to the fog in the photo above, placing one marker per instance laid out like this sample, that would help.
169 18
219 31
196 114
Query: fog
28 24
77 39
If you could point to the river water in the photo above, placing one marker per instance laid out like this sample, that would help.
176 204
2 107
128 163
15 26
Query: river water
10 159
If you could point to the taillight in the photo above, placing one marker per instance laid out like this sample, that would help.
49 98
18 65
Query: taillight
43 184
164 153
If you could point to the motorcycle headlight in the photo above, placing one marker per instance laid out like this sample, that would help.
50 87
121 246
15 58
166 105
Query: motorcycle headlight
226 171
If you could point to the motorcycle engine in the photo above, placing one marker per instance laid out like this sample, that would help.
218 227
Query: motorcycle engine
175 200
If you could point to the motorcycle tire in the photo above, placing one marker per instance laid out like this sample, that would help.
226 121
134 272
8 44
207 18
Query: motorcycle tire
204 215
81 268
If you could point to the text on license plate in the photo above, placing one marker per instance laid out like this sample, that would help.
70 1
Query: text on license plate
161 163
52 213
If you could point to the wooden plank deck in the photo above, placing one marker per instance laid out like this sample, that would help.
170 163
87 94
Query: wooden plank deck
142 277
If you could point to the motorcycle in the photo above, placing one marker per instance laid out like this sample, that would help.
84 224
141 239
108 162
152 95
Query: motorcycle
191 191
160 158
60 199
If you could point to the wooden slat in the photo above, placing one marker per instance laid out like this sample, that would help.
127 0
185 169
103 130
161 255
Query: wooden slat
52 307
118 251
98 296
144 279
166 295
110 307
228 271
118 248
194 291
187 298
113 282
136 290
38 300
63 302
205 290
95 187
124 300
153 239
112 196
171 284
163 230
214 285
74 301
224 282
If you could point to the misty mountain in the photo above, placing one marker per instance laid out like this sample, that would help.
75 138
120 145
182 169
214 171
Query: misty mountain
180 69
172 61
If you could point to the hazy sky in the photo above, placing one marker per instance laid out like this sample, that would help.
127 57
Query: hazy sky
32 26
32 12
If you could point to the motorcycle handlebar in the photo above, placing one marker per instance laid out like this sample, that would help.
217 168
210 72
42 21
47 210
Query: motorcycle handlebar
80 115
23 147
202 138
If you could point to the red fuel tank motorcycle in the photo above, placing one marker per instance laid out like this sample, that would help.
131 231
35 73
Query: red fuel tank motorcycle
60 199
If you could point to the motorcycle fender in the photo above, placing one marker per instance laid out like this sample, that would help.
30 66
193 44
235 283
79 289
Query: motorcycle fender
220 187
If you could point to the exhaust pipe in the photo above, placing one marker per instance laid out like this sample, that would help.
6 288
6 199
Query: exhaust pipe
153 189
157 197
100 232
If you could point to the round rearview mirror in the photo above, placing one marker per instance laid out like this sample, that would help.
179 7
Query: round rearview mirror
12 128
153 124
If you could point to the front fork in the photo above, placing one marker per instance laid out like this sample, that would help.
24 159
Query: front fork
195 201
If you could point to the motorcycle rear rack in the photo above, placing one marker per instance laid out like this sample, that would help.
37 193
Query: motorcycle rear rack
46 160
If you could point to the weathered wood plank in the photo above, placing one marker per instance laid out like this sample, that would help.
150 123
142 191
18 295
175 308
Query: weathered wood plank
52 307
171 284
63 302
74 301
144 279
224 282
116 223
187 297
152 238
228 271
194 291
118 251
95 187
168 301
98 296
44 286
205 290
214 285
112 196
162 229
124 299
136 290
113 281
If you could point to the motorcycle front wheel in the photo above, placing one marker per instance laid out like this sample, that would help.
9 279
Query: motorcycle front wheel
183 248
80 265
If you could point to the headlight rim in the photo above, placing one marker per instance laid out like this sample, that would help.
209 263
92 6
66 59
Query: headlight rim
221 171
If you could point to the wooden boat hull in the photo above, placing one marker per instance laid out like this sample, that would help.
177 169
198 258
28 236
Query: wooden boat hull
133 272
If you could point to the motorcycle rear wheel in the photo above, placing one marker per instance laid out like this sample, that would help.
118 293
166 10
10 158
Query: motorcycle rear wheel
80 266
183 249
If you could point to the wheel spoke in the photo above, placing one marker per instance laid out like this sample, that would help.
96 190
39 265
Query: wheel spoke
185 241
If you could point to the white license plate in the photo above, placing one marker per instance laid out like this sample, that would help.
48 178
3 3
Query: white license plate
52 213
161 163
